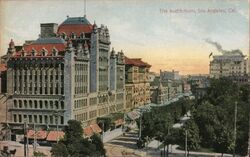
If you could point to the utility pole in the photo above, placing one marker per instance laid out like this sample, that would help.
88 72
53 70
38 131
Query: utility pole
35 140
140 127
24 139
248 154
185 142
235 127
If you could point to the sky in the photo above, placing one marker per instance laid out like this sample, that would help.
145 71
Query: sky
168 34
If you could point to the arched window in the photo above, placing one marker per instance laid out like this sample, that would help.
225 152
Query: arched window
51 104
35 103
40 104
30 104
46 104
20 104
25 104
15 104
62 104
56 105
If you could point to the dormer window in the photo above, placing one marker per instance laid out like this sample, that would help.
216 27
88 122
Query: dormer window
73 35
33 52
22 53
44 52
54 52
82 36
64 36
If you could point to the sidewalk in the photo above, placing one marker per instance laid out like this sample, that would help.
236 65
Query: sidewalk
152 148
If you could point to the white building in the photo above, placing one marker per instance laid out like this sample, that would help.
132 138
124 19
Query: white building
230 65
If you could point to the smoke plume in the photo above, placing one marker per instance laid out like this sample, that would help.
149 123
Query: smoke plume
224 52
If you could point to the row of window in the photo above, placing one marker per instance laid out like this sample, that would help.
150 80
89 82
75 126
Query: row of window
82 117
35 104
38 119
103 111
80 103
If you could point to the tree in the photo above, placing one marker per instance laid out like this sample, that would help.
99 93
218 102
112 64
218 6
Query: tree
59 150
215 116
224 140
96 140
73 143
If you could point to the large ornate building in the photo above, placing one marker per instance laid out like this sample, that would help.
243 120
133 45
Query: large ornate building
69 72
137 83
231 65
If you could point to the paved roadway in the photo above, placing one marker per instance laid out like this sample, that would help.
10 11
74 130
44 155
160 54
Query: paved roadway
20 151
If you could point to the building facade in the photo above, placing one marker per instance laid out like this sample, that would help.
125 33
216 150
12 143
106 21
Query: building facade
234 66
137 83
69 72
169 75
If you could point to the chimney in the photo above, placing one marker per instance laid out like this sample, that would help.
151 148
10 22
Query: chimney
48 30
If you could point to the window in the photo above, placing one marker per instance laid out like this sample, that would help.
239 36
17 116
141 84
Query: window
25 104
40 119
20 104
15 118
56 104
15 103
30 118
62 104
51 104
30 104
35 118
20 118
46 119
51 119
40 104
35 102
46 104
62 119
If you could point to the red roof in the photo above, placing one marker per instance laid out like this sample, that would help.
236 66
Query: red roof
3 67
52 136
38 47
39 134
96 128
77 29
119 122
88 132
91 129
136 62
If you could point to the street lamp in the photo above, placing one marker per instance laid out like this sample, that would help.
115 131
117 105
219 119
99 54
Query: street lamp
25 141
183 120
56 114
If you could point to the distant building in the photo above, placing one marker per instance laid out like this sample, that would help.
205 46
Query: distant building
233 66
163 91
69 72
199 85
137 83
159 94
169 75
3 78
152 76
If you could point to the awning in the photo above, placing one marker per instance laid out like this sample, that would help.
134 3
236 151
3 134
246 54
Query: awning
96 128
53 135
88 132
119 122
133 115
91 129
40 135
